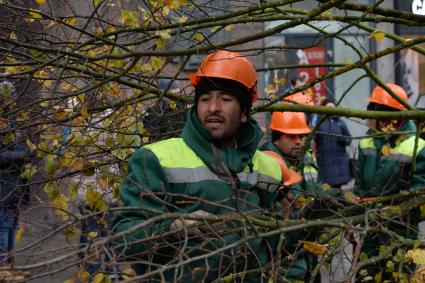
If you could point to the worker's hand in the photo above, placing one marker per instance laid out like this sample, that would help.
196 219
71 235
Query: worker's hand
201 228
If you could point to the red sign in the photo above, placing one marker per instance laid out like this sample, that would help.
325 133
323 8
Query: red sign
312 56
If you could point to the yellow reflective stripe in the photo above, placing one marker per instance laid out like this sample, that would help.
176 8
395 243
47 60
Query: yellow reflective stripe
407 146
182 155
367 143
266 165
310 173
175 154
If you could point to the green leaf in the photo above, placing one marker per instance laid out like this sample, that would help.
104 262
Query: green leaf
51 166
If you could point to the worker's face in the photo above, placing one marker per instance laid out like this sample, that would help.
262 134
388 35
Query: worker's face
382 126
221 113
291 145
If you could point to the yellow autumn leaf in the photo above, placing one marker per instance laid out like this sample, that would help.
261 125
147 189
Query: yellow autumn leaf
175 4
97 2
19 234
129 18
157 63
128 273
417 256
29 171
13 36
30 145
197 36
91 235
182 19
35 14
85 111
386 150
40 1
302 201
44 104
279 80
164 34
69 281
378 36
314 248
173 105
146 68
160 43
326 186
115 90
98 278
84 276
73 191
229 27
71 21
270 89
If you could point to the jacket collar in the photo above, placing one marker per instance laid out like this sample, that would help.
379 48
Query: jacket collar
199 139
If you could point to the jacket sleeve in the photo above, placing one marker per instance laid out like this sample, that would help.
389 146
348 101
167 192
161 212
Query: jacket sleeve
346 133
145 189
418 176
360 184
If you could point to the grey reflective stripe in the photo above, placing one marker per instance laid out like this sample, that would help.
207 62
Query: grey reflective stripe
369 151
199 174
268 187
262 181
190 175
310 176
398 157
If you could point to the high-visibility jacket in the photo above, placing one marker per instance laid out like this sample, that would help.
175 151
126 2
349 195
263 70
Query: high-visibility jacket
385 166
181 175
310 184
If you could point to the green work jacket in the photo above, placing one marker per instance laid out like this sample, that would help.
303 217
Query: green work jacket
385 165
183 175
310 184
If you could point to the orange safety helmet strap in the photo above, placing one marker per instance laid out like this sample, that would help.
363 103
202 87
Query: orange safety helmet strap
382 97
228 65
294 123
289 176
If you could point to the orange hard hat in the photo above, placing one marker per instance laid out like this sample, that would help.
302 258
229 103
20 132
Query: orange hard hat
298 97
381 96
289 123
289 176
228 65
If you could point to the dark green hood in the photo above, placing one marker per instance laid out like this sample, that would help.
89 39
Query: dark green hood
199 139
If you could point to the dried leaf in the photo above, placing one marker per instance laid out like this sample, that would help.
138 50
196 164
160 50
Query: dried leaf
270 89
378 36
19 234
314 248
198 37
417 256
91 235
326 186
386 150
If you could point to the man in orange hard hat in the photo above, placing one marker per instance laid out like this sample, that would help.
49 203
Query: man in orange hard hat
188 190
385 167
289 131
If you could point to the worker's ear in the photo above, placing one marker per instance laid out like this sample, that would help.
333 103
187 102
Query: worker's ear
244 117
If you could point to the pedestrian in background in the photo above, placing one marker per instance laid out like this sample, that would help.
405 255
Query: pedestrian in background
13 155
332 138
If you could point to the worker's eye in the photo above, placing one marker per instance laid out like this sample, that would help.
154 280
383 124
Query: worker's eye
227 97
204 98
